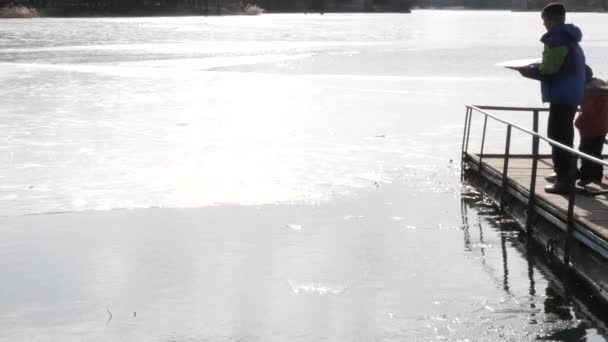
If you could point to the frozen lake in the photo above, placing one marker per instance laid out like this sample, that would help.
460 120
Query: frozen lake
271 178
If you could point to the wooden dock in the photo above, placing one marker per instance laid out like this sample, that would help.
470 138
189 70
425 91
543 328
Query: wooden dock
590 212
572 228
547 218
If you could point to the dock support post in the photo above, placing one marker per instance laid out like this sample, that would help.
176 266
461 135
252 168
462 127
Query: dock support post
571 198
505 168
532 197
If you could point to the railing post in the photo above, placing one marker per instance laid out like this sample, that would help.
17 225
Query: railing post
535 121
505 168
532 196
483 142
467 118
571 198
466 144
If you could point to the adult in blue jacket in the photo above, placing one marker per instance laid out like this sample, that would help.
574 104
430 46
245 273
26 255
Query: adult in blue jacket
562 77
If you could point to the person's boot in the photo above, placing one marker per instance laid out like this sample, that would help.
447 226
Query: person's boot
584 181
553 177
558 188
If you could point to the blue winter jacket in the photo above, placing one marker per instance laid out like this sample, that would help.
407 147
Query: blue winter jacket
562 70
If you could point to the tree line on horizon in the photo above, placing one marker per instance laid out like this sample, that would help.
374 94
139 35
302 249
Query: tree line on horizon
229 6
212 6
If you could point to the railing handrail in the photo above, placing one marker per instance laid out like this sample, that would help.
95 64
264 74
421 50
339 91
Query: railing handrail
511 109
534 134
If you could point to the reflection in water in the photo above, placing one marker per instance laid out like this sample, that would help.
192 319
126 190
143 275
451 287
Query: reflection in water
530 260
504 258
567 312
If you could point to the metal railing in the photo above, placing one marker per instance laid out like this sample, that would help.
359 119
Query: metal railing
536 138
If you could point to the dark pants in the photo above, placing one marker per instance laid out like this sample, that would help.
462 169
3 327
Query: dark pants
561 129
593 147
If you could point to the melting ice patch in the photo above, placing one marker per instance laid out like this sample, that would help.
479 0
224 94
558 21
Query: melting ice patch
314 288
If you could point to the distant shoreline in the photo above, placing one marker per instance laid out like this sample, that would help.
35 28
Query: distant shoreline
83 13
573 10
460 8
20 11
43 14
